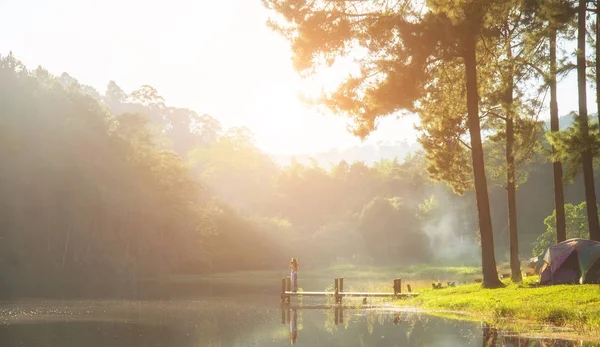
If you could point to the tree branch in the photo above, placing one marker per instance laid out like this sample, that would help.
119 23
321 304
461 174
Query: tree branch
491 113
536 68
368 14
464 143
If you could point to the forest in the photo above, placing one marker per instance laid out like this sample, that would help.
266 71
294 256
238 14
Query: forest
117 187
103 190
477 73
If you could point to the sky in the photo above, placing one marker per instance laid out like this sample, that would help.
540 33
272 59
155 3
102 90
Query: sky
212 56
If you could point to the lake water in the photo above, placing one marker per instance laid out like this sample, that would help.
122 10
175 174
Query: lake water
212 314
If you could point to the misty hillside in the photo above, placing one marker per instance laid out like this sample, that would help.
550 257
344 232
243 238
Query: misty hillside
371 153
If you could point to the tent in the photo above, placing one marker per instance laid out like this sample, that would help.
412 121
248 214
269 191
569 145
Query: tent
535 264
572 261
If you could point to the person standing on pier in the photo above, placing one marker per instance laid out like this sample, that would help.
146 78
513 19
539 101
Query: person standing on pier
294 266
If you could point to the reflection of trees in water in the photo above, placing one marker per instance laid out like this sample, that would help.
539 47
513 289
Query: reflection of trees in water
414 333
329 321
336 317
300 320
370 322
517 341
490 335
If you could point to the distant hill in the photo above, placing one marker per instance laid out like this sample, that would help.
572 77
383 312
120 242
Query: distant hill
567 120
370 153
367 153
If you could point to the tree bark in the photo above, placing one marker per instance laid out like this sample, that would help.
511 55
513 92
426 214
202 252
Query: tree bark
515 263
588 169
488 261
559 195
598 62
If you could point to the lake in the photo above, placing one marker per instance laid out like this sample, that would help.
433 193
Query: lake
235 313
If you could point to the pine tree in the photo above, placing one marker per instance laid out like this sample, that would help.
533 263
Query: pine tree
405 46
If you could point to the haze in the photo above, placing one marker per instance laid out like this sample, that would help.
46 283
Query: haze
215 57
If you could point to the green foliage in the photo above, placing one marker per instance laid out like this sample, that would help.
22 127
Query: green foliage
235 168
427 208
570 145
114 203
391 51
443 127
527 150
110 177
577 227
133 209
392 231
90 198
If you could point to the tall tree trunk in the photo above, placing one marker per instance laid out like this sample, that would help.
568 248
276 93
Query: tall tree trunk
515 263
488 261
559 195
598 61
588 169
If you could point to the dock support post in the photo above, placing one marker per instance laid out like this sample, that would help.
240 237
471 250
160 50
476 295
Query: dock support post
336 287
409 288
397 286
288 288
341 284
283 295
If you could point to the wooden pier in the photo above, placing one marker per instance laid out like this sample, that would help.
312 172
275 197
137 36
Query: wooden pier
338 294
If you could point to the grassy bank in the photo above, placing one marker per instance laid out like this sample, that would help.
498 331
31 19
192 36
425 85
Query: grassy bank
570 306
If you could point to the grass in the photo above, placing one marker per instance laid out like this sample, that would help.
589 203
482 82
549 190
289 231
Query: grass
415 272
570 306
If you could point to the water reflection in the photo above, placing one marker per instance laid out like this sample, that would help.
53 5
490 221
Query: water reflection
211 316
490 335
294 327
358 326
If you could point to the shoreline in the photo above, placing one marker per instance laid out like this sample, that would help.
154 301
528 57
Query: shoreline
561 311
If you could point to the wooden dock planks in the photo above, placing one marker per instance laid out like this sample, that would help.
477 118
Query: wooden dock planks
339 293
355 294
